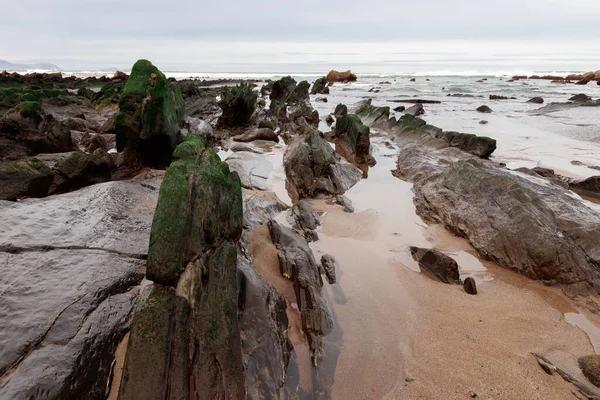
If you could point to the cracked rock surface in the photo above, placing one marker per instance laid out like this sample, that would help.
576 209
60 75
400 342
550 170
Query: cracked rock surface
67 264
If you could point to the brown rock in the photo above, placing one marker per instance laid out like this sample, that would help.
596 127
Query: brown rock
444 268
344 77
470 286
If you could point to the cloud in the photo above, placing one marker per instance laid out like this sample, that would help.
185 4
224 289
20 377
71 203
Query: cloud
79 33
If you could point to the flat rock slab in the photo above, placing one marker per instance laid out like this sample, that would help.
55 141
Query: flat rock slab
254 170
66 265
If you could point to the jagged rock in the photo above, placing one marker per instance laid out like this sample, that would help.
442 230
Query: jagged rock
591 184
590 366
580 98
399 108
263 325
298 264
29 178
257 134
312 168
480 146
185 338
415 110
484 109
340 110
149 118
282 88
238 104
329 264
199 126
537 228
536 100
353 140
444 268
320 87
27 130
61 341
345 202
329 120
92 141
470 286
344 77
305 216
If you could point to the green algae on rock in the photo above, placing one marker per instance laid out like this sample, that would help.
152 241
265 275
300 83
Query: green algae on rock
29 178
320 87
352 140
238 104
150 114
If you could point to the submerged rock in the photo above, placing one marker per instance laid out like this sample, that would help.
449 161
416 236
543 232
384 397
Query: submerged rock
150 114
312 167
580 98
340 110
444 268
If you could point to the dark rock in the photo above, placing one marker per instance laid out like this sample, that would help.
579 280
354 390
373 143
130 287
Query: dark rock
415 110
81 169
329 120
29 178
282 88
417 101
108 96
150 114
340 109
580 98
484 109
85 92
120 75
496 97
299 94
483 122
320 87
61 342
321 99
344 77
583 82
353 140
298 264
267 124
413 79
591 184
238 104
312 167
329 265
92 141
444 268
470 286
257 134
480 146
536 100
590 366
399 108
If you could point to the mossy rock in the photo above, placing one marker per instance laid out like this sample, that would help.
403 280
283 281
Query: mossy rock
320 87
31 178
590 366
150 114
340 110
238 104
191 146
82 169
199 205
108 95
350 129
267 124
299 94
282 88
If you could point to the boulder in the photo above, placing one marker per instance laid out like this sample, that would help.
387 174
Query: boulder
92 141
444 268
61 342
523 223
260 207
329 265
320 87
253 169
480 146
580 98
345 202
108 96
31 178
484 109
497 97
353 140
536 100
299 94
340 109
238 104
312 168
257 134
590 366
149 118
344 77
282 88
470 286
591 185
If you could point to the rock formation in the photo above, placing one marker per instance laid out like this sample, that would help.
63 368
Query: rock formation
344 77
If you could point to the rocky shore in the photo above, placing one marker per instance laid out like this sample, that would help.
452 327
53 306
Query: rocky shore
198 240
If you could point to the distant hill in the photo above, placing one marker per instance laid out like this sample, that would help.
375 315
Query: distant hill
5 65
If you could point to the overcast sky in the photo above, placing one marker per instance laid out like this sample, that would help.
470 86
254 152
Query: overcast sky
241 35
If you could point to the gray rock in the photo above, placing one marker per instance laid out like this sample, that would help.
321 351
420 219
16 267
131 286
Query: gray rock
484 109
329 265
444 268
260 207
257 134
254 171
536 100
415 110
345 202
72 255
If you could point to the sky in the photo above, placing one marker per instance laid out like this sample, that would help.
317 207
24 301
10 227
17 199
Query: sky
311 36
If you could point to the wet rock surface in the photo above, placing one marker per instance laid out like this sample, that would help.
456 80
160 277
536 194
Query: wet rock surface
353 140
75 256
443 267
520 222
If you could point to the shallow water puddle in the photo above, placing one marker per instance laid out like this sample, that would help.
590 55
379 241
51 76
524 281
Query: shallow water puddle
590 329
